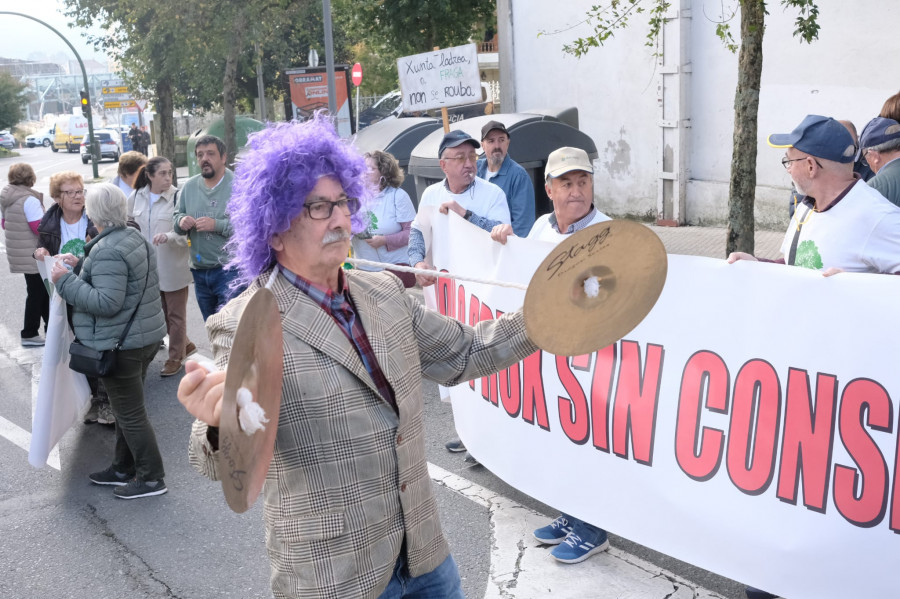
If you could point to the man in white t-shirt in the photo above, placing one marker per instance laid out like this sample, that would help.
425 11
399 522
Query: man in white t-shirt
570 186
842 224
481 203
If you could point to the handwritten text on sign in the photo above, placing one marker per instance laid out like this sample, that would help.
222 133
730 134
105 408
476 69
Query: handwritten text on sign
447 77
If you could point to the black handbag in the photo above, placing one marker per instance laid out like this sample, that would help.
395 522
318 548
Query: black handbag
95 363
91 362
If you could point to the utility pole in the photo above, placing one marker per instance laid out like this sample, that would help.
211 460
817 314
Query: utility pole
329 61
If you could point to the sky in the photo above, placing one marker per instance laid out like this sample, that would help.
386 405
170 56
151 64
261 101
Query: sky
25 39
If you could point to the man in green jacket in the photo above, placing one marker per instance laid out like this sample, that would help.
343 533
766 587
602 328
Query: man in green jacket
201 214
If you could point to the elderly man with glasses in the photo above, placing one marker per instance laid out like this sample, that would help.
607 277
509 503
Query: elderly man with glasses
481 203
881 148
841 224
349 508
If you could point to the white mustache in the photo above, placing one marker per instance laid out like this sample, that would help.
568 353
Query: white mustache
335 235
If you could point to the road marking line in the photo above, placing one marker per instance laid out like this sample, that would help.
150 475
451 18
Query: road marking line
24 356
14 433
520 567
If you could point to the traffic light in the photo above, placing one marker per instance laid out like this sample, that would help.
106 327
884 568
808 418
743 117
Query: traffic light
85 104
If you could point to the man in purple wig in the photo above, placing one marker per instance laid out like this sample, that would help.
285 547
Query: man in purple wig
349 506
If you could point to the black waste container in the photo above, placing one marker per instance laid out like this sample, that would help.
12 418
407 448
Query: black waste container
398 137
533 136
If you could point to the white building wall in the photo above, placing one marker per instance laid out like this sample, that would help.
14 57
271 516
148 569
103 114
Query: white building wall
847 73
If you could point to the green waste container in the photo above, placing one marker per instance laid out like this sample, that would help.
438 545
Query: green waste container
243 127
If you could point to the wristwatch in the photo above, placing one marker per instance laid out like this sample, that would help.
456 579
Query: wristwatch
467 215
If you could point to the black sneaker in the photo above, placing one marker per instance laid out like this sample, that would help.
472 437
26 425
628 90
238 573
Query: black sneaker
455 446
110 477
141 488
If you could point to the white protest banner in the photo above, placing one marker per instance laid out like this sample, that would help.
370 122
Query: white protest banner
62 395
749 425
448 77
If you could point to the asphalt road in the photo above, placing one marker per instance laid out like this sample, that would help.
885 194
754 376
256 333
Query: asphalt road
65 538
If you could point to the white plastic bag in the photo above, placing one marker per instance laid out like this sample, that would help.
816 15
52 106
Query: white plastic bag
63 394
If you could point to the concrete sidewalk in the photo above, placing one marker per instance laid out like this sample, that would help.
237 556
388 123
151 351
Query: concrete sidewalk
710 241
521 568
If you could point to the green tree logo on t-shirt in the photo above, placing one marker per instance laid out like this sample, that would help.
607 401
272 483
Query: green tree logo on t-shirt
808 255
371 222
74 247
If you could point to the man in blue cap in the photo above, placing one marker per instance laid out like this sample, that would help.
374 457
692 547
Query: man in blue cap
481 203
842 224
880 143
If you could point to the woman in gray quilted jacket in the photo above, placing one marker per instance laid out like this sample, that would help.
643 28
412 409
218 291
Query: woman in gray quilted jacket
118 278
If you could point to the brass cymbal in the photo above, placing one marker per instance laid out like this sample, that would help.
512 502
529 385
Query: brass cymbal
256 363
630 262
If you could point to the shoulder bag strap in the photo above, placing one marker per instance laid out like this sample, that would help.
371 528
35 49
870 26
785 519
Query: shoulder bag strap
792 254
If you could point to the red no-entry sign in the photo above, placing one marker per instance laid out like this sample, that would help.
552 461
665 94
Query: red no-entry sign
356 74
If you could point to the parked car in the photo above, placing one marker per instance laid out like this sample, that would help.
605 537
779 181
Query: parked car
7 140
41 138
109 146
387 105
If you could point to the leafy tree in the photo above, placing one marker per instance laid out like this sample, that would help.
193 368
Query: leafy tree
386 30
153 47
742 187
12 97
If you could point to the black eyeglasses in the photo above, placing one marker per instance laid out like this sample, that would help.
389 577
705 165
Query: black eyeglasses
786 162
322 210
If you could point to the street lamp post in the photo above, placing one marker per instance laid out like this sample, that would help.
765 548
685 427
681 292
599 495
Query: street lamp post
87 88
329 61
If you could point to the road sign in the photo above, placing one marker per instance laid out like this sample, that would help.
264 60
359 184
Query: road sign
141 104
119 104
356 74
114 90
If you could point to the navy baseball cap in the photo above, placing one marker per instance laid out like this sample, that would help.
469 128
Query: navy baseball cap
819 136
878 131
455 138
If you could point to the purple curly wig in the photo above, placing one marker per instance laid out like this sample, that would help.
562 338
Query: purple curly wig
271 183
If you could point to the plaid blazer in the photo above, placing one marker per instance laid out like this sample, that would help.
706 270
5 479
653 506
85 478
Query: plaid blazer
349 481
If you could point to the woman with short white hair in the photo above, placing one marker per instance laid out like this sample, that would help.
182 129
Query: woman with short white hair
116 303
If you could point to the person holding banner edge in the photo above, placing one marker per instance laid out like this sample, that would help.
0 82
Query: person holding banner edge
349 506
481 203
843 225
569 182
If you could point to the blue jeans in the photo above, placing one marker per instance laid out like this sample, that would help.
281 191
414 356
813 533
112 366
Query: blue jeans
441 583
212 288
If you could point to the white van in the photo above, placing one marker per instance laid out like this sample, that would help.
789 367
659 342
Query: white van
68 132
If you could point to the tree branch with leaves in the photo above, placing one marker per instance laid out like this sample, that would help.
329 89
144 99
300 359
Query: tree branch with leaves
608 19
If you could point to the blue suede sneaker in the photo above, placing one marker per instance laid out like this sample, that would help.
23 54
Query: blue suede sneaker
554 533
576 549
